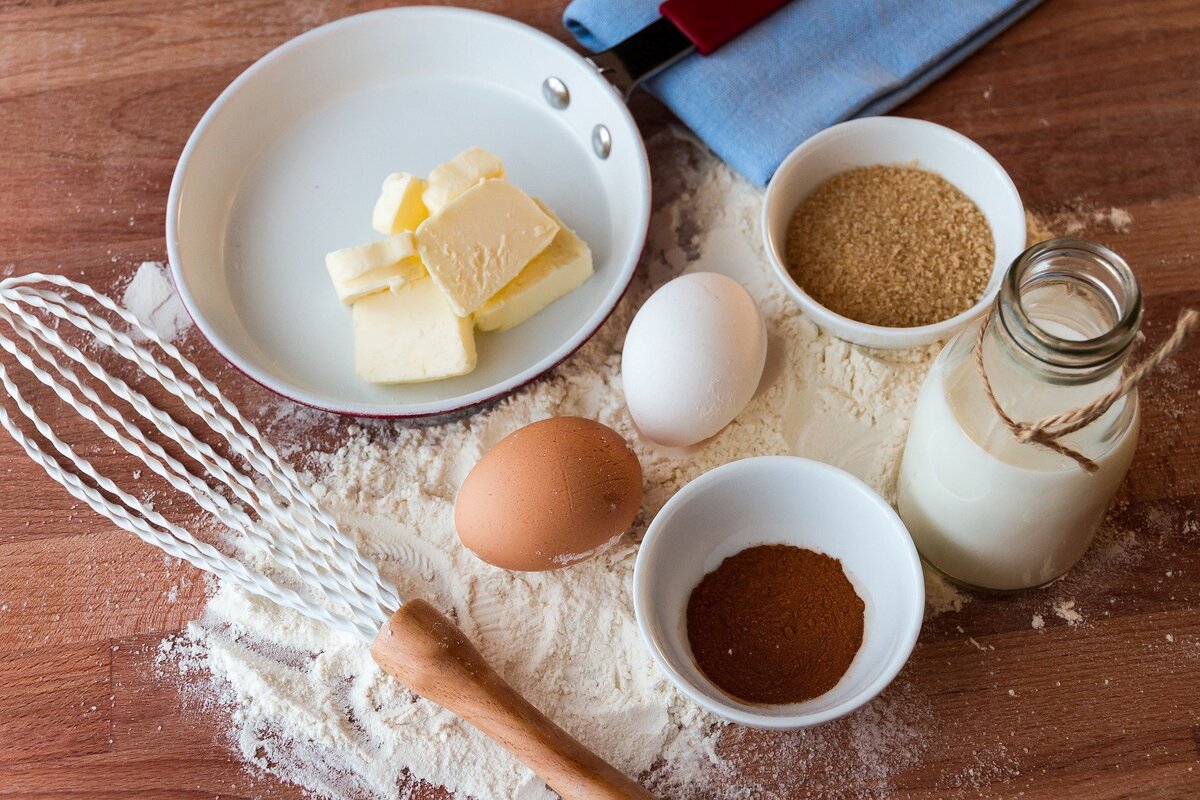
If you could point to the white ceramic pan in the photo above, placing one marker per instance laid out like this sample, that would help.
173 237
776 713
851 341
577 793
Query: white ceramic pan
287 163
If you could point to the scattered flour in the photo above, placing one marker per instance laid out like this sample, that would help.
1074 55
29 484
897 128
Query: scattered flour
151 297
1118 219
1080 217
941 595
1065 610
312 708
1038 622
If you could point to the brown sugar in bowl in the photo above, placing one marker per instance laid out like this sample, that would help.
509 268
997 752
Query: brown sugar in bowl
894 141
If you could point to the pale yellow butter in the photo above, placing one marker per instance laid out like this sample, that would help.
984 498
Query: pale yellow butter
368 268
411 335
447 181
481 240
399 207
561 268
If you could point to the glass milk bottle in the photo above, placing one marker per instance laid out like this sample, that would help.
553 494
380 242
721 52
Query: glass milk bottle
985 509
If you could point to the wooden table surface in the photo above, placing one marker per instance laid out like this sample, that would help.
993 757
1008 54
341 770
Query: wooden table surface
1091 106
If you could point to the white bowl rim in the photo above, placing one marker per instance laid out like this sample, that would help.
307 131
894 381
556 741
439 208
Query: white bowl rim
907 637
881 335
438 409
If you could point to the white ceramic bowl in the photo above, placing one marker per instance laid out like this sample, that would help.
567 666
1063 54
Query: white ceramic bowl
780 500
287 163
893 140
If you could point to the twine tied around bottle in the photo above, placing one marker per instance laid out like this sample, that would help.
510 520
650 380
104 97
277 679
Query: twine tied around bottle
1047 431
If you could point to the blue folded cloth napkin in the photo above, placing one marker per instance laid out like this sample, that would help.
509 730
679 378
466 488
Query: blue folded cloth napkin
807 66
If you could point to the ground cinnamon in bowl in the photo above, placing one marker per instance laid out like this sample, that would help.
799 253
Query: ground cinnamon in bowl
775 624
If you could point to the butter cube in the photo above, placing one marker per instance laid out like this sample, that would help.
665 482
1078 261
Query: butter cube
460 173
411 335
368 268
481 240
561 268
399 207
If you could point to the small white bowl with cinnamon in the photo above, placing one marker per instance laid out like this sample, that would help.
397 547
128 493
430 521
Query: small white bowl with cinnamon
780 626
892 259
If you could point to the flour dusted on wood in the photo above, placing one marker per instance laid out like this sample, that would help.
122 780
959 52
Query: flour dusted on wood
151 297
312 708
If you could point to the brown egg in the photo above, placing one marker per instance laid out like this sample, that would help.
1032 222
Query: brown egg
551 494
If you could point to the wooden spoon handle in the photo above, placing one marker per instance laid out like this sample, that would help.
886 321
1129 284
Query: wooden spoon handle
429 654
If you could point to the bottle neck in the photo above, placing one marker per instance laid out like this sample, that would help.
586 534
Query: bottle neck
1068 312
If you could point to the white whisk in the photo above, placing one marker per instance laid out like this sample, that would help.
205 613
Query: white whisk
270 507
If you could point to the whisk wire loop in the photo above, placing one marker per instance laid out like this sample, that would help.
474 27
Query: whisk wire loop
133 441
147 524
251 446
275 511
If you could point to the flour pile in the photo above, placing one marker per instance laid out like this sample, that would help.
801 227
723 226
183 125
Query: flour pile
314 709
152 298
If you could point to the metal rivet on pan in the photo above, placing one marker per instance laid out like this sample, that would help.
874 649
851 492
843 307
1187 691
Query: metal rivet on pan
556 92
601 141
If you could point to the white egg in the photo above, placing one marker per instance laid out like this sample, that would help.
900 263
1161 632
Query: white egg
693 358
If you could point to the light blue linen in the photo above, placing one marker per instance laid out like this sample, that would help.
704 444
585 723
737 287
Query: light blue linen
807 66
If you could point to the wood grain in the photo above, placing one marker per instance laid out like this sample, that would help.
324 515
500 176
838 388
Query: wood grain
1090 106
58 699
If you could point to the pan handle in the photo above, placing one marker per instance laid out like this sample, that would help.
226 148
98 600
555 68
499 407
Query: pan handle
685 25
712 23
